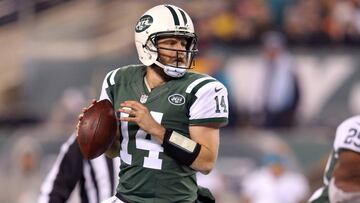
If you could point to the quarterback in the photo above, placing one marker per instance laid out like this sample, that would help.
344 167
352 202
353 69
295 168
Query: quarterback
169 117
342 173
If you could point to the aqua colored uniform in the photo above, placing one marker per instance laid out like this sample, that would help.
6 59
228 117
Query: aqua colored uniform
347 137
147 173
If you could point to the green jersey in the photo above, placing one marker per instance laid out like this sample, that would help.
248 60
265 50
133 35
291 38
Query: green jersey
346 138
147 174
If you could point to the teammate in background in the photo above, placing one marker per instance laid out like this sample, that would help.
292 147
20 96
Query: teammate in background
169 117
97 178
342 173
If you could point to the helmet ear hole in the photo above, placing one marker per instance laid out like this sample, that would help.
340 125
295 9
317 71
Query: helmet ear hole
149 51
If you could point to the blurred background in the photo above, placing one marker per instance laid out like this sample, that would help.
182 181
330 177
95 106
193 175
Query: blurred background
291 67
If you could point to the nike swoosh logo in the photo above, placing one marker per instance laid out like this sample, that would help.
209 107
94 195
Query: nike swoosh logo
218 89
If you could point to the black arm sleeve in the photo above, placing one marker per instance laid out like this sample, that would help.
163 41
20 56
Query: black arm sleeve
64 174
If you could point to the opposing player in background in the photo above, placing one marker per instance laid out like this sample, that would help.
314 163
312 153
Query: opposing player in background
97 178
169 117
342 173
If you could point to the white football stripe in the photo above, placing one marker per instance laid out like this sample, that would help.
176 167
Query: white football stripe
196 82
112 78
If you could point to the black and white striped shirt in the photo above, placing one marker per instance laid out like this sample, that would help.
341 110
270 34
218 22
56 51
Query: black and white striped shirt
97 178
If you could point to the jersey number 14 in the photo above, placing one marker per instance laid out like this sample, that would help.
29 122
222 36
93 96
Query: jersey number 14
152 160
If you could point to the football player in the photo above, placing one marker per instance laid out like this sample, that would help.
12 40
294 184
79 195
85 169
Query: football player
169 117
342 173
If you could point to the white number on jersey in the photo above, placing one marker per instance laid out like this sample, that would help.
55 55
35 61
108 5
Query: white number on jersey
348 135
352 138
152 161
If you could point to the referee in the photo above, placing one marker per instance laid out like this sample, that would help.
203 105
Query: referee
97 178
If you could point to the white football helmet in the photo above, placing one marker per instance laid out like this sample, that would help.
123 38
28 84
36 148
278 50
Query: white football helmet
163 21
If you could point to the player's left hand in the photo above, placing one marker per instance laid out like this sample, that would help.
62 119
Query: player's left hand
140 114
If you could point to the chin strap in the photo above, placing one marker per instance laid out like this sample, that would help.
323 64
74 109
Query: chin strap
171 71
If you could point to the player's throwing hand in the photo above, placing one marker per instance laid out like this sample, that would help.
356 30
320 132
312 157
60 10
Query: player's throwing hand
136 112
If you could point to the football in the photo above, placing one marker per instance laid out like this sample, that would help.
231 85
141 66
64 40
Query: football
97 129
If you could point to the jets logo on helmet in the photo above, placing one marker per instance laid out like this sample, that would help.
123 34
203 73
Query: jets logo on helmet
165 21
144 23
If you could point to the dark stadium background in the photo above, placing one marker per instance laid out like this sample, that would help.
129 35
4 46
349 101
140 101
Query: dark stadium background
55 53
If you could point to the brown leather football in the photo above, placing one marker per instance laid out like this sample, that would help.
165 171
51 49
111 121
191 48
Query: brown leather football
97 129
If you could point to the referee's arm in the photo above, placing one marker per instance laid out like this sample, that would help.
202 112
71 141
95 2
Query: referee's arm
64 174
